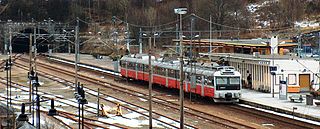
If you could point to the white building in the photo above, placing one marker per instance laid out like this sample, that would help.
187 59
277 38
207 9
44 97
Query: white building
298 72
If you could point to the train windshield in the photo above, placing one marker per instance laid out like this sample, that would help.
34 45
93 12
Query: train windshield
228 83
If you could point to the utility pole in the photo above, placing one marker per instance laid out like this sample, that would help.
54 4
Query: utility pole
177 35
128 36
35 48
98 101
30 69
154 37
319 53
191 55
150 85
10 63
76 51
299 43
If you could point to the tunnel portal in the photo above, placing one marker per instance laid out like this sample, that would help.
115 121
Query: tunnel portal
21 42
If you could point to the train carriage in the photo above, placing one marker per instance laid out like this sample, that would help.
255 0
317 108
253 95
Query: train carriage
221 83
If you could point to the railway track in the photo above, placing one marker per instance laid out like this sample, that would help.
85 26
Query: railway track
129 105
203 115
18 103
291 122
61 100
264 115
190 112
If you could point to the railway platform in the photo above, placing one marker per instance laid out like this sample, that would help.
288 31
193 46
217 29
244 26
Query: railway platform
105 62
296 110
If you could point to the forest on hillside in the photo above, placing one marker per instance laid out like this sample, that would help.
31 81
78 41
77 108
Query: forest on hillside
236 13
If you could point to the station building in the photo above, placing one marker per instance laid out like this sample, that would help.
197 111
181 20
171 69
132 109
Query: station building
300 73
267 60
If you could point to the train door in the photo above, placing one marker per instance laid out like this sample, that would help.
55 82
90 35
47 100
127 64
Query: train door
186 80
202 84
136 70
166 70
304 82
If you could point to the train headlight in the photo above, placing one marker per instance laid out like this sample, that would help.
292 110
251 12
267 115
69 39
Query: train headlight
220 95
235 95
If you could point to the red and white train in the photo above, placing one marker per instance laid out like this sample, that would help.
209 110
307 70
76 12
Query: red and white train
221 83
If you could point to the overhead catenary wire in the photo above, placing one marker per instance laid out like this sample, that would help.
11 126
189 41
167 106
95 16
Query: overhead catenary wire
239 28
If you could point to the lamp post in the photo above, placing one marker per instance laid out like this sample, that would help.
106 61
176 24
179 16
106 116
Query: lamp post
181 11
273 69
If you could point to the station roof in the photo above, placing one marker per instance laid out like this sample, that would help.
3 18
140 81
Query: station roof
260 57
242 42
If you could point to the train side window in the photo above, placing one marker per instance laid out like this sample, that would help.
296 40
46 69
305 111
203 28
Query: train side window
163 71
138 67
171 73
132 65
176 72
210 81
146 68
155 70
122 63
159 70
135 66
205 80
187 75
129 65
199 78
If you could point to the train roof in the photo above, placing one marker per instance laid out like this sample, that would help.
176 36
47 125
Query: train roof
208 69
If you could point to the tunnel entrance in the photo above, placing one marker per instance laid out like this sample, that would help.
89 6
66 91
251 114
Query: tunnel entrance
21 41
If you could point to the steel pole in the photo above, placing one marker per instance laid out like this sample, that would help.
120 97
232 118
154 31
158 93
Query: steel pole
128 36
98 105
79 115
319 54
273 76
150 86
10 49
7 66
191 56
210 50
181 76
30 69
76 49
140 42
82 117
35 48
38 112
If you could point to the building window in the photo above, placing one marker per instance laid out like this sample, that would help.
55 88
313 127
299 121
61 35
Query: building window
292 79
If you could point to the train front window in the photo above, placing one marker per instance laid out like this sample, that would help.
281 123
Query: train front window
222 80
234 80
227 83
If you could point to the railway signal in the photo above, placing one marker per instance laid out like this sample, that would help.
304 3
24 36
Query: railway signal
81 98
